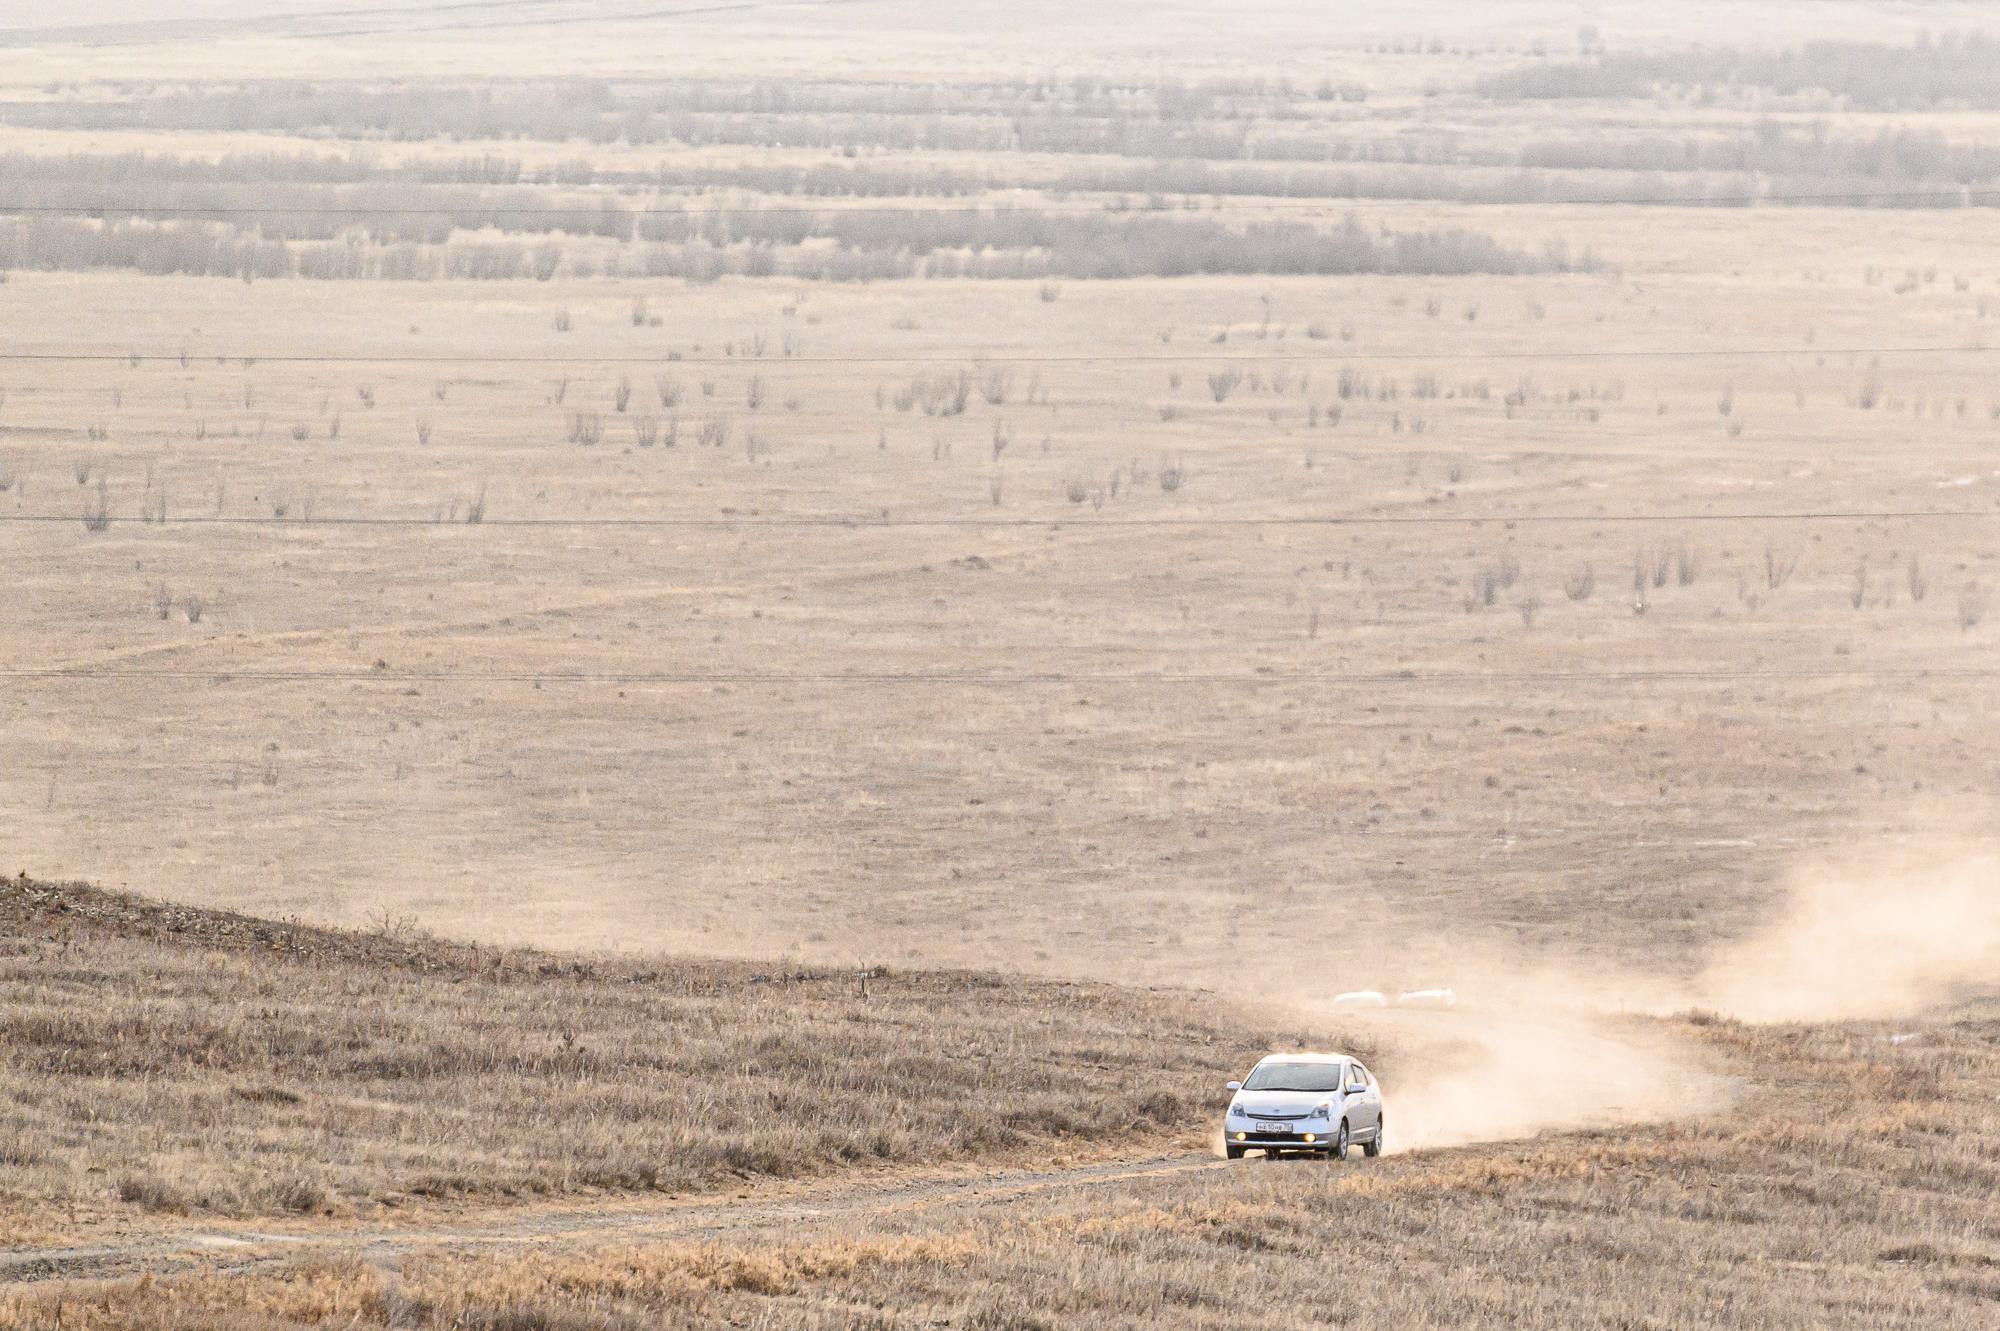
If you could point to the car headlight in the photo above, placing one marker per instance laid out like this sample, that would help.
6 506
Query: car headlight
1324 1109
1238 1111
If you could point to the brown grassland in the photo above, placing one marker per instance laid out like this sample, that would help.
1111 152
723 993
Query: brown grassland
237 1069
546 540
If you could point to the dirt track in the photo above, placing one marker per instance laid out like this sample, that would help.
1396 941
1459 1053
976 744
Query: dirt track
791 1208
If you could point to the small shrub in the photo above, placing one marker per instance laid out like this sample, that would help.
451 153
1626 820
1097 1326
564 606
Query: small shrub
97 509
1580 583
996 384
1778 569
192 606
1971 606
151 1194
1173 475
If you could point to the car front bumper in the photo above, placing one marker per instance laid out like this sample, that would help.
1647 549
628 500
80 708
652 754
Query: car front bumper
1321 1135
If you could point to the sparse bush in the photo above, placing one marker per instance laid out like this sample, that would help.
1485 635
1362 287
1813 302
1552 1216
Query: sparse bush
1173 475
192 606
714 432
1778 568
995 384
669 391
1221 383
561 322
152 1194
1580 583
621 395
97 509
753 392
1918 583
423 429
1972 605
585 427
645 431
1485 589
942 394
163 601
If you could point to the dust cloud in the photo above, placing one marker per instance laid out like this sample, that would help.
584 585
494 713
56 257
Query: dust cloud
1532 1048
1883 938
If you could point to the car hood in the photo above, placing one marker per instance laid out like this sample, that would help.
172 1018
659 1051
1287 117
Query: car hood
1284 1102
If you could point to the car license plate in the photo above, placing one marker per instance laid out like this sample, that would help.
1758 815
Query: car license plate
1282 1129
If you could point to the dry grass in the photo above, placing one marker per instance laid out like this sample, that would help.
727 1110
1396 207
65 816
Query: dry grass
1851 1185
228 1066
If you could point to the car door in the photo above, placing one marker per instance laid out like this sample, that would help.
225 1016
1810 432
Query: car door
1364 1106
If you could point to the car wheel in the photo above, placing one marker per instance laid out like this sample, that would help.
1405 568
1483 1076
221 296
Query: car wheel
1374 1146
1338 1151
1233 1152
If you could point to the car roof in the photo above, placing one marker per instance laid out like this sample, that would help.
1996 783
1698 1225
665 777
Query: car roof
1305 1058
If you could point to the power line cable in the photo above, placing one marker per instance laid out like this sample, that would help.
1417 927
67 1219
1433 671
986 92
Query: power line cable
1024 679
995 208
976 358
863 523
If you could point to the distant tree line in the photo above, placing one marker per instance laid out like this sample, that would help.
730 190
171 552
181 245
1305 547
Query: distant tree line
1953 70
829 246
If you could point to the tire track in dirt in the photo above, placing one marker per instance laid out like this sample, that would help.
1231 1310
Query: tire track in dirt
788 1209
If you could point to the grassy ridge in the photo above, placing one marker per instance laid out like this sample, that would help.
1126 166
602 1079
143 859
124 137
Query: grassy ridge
179 1060
1854 1187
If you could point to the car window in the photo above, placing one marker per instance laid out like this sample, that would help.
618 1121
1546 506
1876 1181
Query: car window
1282 1076
1361 1075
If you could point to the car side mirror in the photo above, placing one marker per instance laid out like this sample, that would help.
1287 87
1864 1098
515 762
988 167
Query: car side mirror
1357 1088
1234 1086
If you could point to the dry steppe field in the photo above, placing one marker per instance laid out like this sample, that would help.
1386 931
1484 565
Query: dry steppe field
544 540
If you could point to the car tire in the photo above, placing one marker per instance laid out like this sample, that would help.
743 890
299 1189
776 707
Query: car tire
1374 1146
1338 1151
1232 1152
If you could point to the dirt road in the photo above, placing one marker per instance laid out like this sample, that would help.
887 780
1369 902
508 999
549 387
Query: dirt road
792 1208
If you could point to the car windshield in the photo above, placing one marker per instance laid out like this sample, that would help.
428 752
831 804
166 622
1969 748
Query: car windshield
1294 1077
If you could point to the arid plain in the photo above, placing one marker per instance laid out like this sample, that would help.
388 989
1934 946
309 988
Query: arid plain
1272 508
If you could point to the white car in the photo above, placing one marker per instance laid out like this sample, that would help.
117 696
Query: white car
1315 1103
